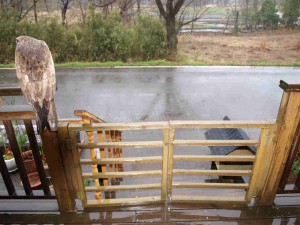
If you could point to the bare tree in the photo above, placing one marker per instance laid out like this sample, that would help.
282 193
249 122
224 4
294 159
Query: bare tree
174 12
64 5
138 3
35 10
104 4
126 9
168 13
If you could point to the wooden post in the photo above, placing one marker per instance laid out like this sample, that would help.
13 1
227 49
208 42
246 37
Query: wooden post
52 151
66 152
286 125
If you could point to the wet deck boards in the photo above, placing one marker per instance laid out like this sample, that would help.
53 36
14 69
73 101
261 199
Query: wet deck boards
286 211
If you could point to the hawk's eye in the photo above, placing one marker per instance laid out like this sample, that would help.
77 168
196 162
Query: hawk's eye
17 41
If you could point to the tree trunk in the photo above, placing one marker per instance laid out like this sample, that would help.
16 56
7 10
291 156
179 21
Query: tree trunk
138 2
35 11
64 12
172 39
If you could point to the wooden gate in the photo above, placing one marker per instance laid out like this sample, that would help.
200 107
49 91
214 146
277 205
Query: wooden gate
167 159
273 148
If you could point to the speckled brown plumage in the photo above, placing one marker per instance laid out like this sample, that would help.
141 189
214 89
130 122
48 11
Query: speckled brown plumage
36 73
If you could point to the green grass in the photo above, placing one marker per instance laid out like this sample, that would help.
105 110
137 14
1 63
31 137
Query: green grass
7 65
162 63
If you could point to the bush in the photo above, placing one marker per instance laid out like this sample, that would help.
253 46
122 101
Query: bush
148 39
291 12
101 39
268 14
8 25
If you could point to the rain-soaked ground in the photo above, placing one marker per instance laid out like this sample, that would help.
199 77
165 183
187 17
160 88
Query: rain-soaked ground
160 94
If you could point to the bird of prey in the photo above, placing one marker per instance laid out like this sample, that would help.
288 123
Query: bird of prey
36 73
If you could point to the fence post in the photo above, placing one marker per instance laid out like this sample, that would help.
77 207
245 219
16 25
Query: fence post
52 148
285 129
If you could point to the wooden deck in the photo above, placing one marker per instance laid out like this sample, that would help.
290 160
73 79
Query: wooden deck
285 211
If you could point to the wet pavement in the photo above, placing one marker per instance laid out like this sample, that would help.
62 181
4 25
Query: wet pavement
180 93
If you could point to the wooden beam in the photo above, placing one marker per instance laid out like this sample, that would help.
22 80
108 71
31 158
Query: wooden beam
37 156
210 185
123 174
13 143
216 158
66 151
120 126
10 90
129 160
123 187
212 172
221 124
286 125
122 201
58 176
140 144
164 179
85 114
16 112
216 142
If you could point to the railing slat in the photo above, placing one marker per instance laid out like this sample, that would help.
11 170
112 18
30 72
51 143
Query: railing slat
129 160
213 172
216 142
123 174
17 154
141 144
37 157
172 124
6 177
216 158
221 124
122 201
123 187
210 185
16 112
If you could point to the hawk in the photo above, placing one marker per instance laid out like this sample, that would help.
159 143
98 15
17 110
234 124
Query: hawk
36 73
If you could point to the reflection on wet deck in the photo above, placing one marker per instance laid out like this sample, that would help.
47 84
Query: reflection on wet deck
286 211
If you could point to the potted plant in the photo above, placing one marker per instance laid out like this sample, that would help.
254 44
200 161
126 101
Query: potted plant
8 155
10 160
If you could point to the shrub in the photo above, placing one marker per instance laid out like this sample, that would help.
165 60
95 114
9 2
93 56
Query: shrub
149 39
8 25
291 12
268 14
102 39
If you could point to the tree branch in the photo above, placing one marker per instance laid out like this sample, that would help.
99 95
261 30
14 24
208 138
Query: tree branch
161 8
105 4
198 16
28 10
178 6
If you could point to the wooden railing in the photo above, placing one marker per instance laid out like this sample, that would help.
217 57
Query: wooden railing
24 115
274 145
168 158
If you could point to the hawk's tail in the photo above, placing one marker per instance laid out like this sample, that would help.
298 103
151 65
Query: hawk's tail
45 116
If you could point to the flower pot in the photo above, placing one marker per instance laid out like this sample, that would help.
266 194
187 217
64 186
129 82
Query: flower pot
11 165
29 162
30 166
34 180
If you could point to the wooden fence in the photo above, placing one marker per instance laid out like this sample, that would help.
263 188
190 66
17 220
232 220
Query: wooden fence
276 141
25 115
167 159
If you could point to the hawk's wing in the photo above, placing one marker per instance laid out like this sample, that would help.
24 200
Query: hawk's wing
35 70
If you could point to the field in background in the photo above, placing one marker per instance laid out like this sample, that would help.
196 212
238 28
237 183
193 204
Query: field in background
280 47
